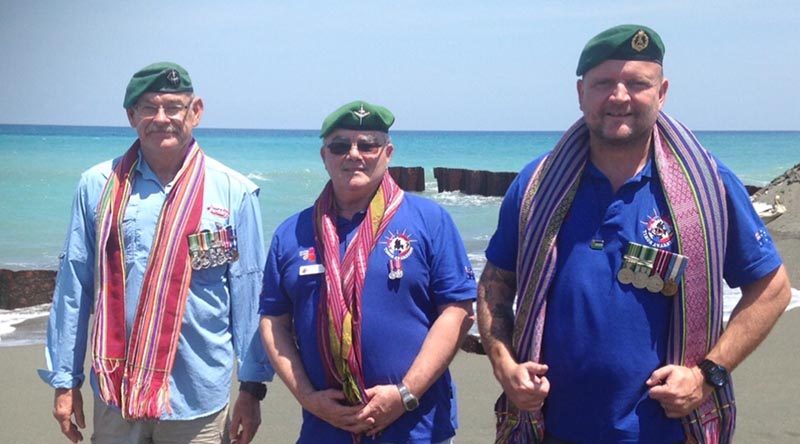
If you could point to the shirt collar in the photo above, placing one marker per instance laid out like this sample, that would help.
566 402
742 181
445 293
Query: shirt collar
644 175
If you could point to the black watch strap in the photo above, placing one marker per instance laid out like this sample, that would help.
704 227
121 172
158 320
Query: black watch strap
257 389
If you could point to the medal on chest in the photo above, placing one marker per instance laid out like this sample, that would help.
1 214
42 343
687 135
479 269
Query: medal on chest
656 270
398 248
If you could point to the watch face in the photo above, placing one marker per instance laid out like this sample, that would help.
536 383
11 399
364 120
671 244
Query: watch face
714 374
411 403
718 376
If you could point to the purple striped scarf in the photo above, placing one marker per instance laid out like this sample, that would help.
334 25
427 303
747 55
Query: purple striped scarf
696 198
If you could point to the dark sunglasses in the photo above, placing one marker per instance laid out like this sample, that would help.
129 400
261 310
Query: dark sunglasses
364 147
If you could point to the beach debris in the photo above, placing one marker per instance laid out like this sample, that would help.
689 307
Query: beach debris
768 212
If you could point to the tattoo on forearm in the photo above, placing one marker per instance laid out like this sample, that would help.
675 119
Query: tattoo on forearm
495 304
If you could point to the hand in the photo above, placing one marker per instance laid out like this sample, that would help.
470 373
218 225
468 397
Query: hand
678 389
525 385
246 418
329 405
384 407
68 402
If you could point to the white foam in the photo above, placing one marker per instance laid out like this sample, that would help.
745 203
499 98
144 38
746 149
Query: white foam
10 318
257 175
458 199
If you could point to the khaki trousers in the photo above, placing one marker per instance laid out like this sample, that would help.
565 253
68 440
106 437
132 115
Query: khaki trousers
111 428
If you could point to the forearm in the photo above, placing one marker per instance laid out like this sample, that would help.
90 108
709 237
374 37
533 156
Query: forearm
278 340
761 305
496 292
439 348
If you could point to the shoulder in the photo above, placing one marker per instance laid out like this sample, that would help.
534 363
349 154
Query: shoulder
520 183
99 172
527 171
425 210
217 171
93 180
300 221
729 179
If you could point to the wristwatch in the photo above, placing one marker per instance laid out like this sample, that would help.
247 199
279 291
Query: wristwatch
715 375
410 402
257 389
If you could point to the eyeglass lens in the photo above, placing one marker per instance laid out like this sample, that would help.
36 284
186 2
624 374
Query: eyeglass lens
339 148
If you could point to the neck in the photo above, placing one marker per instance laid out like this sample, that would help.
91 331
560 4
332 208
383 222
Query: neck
165 164
348 206
619 162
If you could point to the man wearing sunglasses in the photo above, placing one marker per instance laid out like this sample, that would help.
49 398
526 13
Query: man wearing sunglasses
367 295
165 247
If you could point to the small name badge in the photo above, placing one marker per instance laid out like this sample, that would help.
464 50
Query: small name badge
306 270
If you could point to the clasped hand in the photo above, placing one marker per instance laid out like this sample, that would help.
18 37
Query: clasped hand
383 407
678 389
525 385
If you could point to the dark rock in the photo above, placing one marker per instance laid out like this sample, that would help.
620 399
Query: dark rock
409 178
484 183
751 189
25 288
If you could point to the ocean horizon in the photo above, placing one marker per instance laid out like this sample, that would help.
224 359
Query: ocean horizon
40 166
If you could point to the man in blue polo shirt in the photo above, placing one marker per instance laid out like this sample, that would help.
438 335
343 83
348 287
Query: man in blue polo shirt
617 242
367 295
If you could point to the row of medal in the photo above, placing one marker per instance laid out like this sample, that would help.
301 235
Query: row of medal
659 271
213 248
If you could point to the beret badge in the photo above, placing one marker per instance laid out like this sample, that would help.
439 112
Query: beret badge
173 78
361 113
640 41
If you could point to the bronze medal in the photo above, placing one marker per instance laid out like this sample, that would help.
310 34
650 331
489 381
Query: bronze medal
670 288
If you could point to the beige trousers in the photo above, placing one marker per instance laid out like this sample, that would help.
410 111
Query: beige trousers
111 428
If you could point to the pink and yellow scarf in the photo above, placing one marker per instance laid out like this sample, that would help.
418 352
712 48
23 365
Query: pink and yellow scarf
134 375
696 198
339 314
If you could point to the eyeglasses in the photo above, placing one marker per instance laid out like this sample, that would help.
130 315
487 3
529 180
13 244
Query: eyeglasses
340 148
171 110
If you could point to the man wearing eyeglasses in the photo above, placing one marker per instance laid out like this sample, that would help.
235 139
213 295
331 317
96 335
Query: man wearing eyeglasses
367 295
165 247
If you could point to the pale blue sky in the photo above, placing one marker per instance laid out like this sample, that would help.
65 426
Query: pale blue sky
449 65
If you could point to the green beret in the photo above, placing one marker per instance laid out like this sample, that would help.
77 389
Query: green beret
158 77
358 115
623 42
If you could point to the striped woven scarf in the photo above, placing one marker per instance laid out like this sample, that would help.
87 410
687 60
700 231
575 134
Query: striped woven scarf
696 200
339 315
134 375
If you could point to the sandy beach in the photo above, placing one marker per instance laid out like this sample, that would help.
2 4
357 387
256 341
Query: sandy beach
768 396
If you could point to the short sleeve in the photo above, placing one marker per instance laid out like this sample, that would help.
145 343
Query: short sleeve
452 278
750 254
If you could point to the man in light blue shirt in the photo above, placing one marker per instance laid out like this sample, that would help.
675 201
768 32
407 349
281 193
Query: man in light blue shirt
221 253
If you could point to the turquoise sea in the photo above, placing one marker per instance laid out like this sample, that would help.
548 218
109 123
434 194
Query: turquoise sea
40 167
